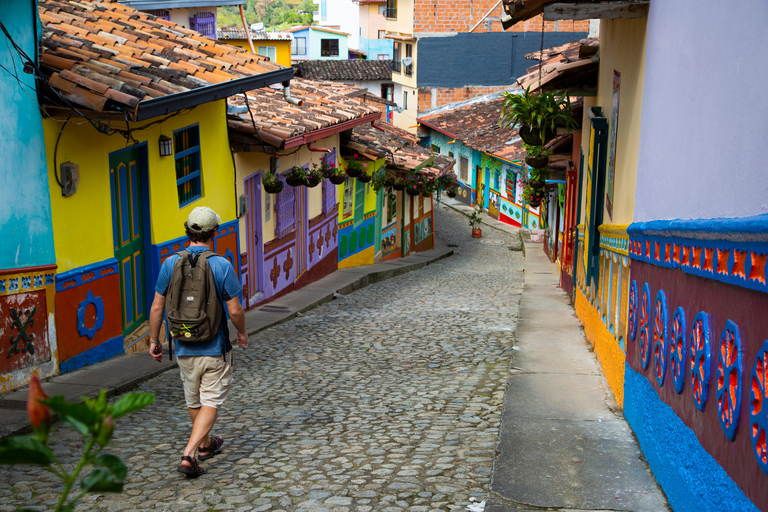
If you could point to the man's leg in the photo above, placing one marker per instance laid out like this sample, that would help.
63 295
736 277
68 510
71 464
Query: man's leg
202 423
193 416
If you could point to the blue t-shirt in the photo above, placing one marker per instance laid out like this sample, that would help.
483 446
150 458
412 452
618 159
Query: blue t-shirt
227 287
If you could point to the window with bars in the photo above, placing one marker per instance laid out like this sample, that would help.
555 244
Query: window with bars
285 206
299 46
463 169
205 23
349 197
408 70
396 56
186 144
391 9
329 47
160 13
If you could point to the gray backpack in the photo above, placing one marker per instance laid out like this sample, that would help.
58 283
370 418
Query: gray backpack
193 310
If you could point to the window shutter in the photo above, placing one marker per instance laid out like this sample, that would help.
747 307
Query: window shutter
329 189
359 201
286 210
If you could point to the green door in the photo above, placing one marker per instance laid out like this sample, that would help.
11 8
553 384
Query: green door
127 208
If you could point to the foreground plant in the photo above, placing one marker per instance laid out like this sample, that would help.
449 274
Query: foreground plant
94 419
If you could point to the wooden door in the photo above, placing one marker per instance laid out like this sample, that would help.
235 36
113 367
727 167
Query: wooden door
254 238
127 206
479 185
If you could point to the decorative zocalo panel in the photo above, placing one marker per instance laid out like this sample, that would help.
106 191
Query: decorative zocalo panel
729 250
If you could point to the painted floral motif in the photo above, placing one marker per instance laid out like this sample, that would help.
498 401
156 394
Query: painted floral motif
700 359
729 372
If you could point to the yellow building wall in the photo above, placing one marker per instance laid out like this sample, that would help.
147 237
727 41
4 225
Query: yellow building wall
247 164
622 48
282 48
82 223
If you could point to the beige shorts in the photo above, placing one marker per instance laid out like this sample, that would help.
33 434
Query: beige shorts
206 379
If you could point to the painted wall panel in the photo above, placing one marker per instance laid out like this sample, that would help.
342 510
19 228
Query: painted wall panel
25 209
702 143
495 58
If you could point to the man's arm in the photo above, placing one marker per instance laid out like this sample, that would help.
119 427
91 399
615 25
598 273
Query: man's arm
237 315
155 321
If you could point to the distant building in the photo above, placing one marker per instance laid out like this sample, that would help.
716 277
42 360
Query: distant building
274 45
318 43
198 15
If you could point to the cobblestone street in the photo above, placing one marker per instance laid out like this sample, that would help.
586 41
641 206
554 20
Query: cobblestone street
387 399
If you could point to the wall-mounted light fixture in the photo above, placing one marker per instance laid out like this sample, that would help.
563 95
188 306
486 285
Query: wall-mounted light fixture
166 145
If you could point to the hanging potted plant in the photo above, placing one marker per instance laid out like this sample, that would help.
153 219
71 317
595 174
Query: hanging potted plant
414 185
400 182
355 168
296 176
271 182
537 115
313 177
365 176
429 188
335 175
536 156
475 220
383 178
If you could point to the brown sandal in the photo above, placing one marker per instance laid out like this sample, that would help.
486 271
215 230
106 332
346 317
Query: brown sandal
212 449
192 471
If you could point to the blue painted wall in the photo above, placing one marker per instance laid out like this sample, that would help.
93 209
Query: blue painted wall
25 205
494 58
691 478
375 47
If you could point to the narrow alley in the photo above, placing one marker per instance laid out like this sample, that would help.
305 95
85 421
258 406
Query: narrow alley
388 398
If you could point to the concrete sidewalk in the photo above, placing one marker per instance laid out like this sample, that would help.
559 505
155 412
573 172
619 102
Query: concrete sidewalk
121 374
564 443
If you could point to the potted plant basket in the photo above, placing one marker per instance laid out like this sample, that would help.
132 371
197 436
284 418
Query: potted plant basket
355 168
537 115
272 183
475 220
314 177
400 182
296 176
364 177
451 192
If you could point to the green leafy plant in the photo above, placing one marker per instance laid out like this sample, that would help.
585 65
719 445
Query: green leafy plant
271 182
355 167
538 115
536 150
94 419
476 218
382 178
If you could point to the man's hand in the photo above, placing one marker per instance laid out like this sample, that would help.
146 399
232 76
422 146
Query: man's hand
242 339
156 351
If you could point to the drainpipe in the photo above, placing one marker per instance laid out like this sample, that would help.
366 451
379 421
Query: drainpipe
319 150
378 127
287 95
247 32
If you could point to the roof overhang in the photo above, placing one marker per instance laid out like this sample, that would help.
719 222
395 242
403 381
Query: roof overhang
178 4
517 11
578 78
315 135
163 105
437 128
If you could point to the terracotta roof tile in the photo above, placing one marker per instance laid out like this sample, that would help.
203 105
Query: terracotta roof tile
477 126
400 149
323 108
229 33
357 70
111 47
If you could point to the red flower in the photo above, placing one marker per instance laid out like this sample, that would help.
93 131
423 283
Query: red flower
39 414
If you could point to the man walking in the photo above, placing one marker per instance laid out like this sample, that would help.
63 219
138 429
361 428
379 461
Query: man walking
205 366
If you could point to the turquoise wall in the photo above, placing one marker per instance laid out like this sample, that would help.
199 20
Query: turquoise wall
25 205
375 47
314 46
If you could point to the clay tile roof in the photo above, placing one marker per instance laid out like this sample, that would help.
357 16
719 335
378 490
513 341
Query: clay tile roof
328 108
104 56
572 66
228 33
400 148
314 27
477 126
357 70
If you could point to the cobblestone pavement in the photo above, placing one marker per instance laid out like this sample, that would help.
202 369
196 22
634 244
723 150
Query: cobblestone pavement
387 399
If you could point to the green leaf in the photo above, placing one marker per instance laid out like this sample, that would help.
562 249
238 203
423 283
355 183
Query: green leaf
113 464
24 450
130 403
69 507
101 480
77 415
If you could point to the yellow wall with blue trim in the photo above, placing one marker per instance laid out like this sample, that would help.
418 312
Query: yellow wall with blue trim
282 48
82 223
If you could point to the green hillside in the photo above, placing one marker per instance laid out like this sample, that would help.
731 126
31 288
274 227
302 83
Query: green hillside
274 14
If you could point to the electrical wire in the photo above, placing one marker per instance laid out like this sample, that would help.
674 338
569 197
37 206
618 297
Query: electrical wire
55 151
